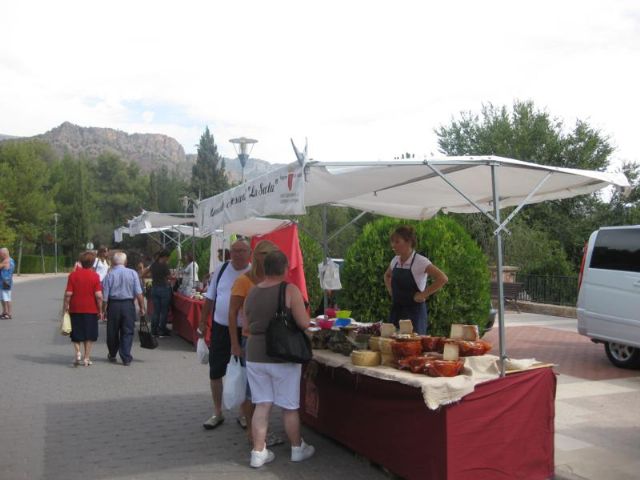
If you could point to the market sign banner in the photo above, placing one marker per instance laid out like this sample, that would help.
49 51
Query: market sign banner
280 192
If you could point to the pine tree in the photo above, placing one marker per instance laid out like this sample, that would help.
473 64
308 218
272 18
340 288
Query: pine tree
208 175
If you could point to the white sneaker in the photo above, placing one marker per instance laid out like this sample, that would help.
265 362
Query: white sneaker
258 459
302 452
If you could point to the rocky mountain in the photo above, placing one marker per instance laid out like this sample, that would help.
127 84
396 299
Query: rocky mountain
149 151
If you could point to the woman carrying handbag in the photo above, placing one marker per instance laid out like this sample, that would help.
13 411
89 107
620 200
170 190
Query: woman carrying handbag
273 380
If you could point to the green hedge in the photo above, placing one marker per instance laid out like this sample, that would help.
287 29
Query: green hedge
33 264
465 299
312 256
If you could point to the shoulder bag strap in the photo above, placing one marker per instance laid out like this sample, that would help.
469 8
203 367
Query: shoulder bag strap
222 269
282 299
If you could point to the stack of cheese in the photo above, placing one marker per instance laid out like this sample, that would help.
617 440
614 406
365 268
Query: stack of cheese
468 339
406 327
464 332
386 331
365 358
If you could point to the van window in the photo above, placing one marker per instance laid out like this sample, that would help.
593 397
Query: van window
617 250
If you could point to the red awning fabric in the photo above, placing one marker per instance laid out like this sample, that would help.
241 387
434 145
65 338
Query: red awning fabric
287 240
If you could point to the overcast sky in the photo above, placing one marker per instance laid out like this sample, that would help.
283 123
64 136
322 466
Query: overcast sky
362 80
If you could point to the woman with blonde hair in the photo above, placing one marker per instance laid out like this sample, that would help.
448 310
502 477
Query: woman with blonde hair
239 291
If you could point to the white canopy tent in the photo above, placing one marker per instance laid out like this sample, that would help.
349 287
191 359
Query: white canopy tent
408 189
164 223
183 230
147 220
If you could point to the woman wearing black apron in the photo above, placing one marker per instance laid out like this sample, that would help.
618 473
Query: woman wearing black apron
406 280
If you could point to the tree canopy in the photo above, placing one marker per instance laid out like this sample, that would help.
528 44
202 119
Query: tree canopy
208 174
527 133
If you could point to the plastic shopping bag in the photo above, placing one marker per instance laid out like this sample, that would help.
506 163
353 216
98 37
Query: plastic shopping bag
202 351
235 384
65 324
329 275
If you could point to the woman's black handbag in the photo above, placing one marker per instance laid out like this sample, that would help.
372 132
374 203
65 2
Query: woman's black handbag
146 339
284 339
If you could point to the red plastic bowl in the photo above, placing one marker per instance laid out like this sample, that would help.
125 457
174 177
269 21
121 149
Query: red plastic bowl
325 324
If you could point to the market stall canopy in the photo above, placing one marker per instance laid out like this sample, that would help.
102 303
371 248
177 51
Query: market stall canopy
408 189
419 189
404 189
183 230
147 220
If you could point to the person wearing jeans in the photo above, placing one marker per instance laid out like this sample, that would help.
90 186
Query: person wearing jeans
161 293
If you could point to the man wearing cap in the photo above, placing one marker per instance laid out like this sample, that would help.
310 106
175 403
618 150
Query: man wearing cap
120 288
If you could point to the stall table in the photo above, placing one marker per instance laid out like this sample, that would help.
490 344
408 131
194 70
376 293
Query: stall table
185 313
504 430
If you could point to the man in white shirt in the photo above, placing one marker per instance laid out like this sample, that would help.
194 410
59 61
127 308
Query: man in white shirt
189 274
217 298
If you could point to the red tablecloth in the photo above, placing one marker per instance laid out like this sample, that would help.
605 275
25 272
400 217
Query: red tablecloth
502 431
185 312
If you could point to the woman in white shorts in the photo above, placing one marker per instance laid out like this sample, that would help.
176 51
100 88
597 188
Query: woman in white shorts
273 381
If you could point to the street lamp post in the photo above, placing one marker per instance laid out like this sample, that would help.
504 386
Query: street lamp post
185 203
243 147
55 242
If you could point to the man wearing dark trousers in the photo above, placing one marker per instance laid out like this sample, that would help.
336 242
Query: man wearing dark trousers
120 288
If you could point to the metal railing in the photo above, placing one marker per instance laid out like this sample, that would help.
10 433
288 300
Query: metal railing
553 289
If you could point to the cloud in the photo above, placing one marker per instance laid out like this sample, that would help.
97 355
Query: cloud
362 80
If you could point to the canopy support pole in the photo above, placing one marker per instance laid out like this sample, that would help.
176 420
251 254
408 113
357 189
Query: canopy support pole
480 209
325 251
524 202
193 252
339 231
498 235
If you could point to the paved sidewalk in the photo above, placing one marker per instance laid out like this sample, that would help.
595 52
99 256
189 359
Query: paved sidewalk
144 422
28 277
108 421
597 412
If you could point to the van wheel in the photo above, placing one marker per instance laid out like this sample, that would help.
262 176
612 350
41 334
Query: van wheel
622 356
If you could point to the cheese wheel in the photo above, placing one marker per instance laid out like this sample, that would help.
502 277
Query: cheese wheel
451 351
405 326
470 333
374 344
388 360
385 345
387 329
457 331
365 358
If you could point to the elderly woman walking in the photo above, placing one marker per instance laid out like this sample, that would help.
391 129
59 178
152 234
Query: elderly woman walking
83 302
272 380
